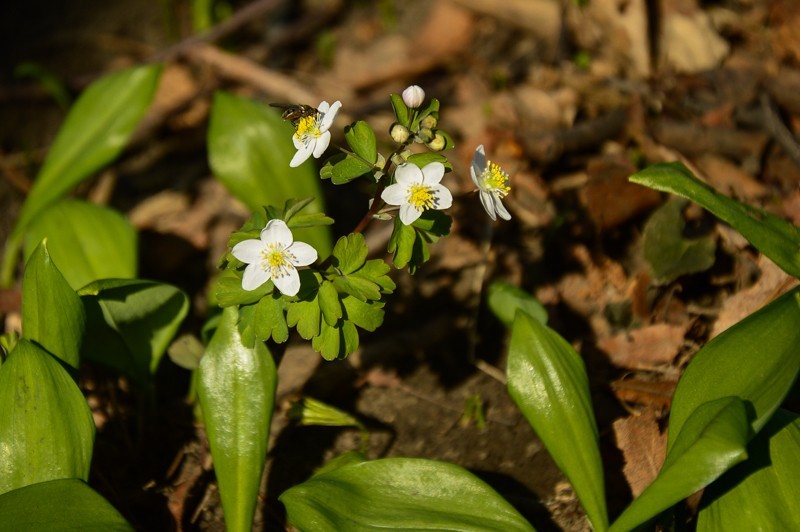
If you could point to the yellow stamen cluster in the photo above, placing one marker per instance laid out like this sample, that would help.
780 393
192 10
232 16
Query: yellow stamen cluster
276 261
421 197
307 127
495 179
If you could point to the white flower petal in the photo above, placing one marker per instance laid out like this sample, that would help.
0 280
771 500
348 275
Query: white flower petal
408 174
322 144
473 174
298 143
248 251
303 153
329 115
432 173
323 107
254 276
443 197
500 208
479 160
276 232
288 284
394 194
408 214
488 205
304 254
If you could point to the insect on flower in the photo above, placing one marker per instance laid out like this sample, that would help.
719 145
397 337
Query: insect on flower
294 112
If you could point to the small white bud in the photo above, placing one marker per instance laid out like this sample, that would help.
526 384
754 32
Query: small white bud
413 96
399 133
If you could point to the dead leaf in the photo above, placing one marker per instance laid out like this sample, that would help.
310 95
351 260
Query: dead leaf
772 283
652 394
645 348
689 43
644 448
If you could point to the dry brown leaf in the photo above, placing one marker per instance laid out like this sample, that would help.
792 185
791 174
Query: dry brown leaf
652 394
645 348
772 283
609 198
730 179
689 43
644 448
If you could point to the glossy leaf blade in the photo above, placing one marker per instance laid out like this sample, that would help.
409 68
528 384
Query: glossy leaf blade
130 323
249 151
87 241
95 131
399 494
773 236
67 504
547 380
237 393
756 360
46 428
713 439
761 493
52 313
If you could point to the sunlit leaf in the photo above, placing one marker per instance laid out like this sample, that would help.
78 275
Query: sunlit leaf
249 151
237 394
399 494
756 360
761 493
46 428
87 241
547 380
67 504
362 140
504 299
52 313
712 440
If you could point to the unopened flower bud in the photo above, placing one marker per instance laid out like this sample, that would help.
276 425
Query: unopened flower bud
399 133
429 121
413 96
425 134
438 143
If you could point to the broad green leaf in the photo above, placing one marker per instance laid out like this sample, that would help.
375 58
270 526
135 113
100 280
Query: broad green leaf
130 323
711 441
399 494
401 110
305 316
362 140
66 504
237 394
228 290
52 313
504 299
773 236
350 253
547 380
761 493
249 151
329 343
401 243
46 428
309 411
424 159
668 252
95 131
756 360
87 241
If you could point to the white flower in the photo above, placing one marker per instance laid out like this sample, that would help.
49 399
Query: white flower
492 183
417 191
312 135
413 96
274 256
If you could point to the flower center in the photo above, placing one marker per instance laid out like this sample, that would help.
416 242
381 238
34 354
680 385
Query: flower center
495 180
276 260
421 197
307 127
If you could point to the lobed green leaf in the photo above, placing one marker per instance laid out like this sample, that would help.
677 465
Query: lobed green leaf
362 141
